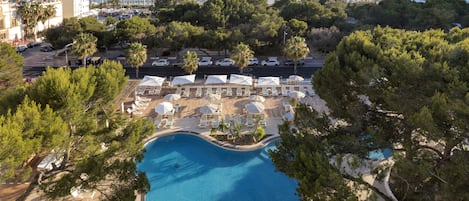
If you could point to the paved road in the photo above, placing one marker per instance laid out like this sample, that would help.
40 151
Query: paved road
257 71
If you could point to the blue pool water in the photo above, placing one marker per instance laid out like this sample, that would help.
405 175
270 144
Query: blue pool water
380 154
184 167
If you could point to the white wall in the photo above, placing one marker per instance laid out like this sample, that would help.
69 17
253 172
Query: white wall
9 12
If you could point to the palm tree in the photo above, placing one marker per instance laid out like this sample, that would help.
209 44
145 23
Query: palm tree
191 62
241 55
296 49
31 14
136 55
84 45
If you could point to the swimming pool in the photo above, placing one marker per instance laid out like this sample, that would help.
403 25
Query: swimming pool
184 167
380 154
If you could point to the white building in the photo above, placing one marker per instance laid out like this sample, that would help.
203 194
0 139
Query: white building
76 8
10 23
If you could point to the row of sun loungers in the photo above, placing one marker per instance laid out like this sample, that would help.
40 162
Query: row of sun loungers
244 91
139 105
236 119
149 91
205 91
164 122
213 123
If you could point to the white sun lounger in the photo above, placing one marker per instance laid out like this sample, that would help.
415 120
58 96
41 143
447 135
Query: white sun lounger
198 92
265 92
229 91
141 104
186 93
284 90
249 122
274 91
203 123
239 92
209 91
247 92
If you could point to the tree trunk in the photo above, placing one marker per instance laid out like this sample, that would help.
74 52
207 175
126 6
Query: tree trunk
65 160
136 71
294 67
35 34
240 70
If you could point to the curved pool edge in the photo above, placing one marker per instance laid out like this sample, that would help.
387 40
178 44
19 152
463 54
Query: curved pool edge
228 146
224 145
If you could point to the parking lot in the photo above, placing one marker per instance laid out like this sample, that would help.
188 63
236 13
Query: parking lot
33 57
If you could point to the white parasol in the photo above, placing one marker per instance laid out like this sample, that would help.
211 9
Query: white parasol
209 109
255 108
164 108
296 94
172 97
295 78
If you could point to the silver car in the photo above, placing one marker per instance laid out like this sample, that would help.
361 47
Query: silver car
225 62
271 61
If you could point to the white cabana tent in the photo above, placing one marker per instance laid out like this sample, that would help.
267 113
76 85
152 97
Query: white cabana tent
216 79
240 79
151 81
182 80
268 81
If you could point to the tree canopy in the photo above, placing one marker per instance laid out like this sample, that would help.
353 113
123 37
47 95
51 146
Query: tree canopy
191 62
241 55
72 112
84 45
296 49
134 29
136 55
405 90
31 13
412 15
11 67
63 34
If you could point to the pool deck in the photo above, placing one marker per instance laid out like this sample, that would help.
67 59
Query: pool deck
188 116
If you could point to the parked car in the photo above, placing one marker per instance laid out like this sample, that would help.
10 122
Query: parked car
270 61
21 48
46 48
291 62
34 44
253 61
79 62
225 62
160 62
205 61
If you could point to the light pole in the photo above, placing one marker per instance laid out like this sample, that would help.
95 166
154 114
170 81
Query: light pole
66 53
